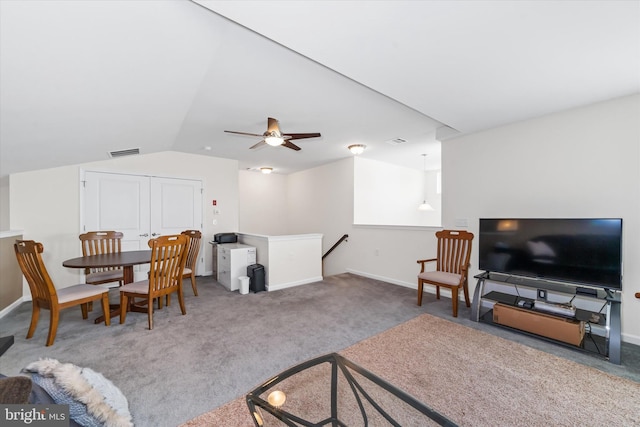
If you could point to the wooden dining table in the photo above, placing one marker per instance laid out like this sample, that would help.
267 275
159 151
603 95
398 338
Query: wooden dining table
127 260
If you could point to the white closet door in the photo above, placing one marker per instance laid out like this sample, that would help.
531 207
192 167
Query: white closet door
118 202
141 207
176 205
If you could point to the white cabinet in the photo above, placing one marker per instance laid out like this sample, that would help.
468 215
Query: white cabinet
233 259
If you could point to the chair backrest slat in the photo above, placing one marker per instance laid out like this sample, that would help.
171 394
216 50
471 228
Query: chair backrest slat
30 261
168 258
100 242
454 250
194 247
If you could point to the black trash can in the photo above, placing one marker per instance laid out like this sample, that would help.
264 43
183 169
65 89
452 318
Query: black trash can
256 278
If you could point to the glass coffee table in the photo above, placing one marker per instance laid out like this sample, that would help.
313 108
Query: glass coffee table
331 390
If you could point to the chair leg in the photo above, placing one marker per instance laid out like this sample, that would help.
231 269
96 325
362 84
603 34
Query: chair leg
438 292
105 309
53 325
150 314
90 306
124 307
35 315
420 289
181 301
85 310
465 287
454 300
193 284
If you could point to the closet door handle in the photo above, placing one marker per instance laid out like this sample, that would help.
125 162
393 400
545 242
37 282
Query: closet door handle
155 234
144 235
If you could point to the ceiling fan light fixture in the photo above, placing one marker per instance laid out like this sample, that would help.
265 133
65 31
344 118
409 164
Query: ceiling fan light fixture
274 141
266 170
357 148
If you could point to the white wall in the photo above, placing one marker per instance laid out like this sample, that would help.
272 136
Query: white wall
46 203
321 201
4 203
579 163
262 201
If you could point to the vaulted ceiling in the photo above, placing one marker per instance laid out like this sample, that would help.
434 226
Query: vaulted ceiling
79 79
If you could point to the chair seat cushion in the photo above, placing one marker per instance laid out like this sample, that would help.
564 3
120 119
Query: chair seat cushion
186 271
443 277
104 276
141 287
79 291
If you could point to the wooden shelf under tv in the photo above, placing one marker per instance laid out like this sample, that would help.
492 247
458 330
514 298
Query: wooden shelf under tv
512 289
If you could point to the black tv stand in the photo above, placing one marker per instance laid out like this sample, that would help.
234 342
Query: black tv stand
598 308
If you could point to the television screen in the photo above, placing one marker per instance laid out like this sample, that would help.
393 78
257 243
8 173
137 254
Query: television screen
581 251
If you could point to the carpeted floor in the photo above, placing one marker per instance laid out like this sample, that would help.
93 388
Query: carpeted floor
476 379
228 343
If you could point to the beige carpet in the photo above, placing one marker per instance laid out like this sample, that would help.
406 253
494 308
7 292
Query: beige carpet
477 379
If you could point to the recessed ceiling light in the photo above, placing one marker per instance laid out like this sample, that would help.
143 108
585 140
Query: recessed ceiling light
266 170
207 148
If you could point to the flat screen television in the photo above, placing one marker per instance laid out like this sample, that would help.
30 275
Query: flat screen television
585 251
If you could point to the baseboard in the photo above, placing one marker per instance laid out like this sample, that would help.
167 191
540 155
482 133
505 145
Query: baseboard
631 339
428 289
8 309
277 287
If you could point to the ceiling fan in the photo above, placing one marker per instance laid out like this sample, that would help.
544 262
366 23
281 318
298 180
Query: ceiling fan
274 137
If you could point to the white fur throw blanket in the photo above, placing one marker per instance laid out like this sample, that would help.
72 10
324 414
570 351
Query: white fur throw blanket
105 403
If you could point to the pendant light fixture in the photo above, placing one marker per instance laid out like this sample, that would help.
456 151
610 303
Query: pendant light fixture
425 206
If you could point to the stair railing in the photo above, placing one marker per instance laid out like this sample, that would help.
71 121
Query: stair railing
342 239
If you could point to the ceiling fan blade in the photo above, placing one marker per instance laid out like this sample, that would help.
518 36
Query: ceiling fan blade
302 135
259 144
291 145
243 133
272 126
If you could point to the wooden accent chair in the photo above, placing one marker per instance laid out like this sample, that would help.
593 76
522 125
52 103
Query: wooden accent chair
102 242
45 295
452 266
192 257
168 258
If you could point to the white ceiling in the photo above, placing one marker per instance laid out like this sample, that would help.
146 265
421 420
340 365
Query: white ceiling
80 79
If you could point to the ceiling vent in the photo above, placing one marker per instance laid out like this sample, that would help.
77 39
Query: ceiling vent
122 153
396 141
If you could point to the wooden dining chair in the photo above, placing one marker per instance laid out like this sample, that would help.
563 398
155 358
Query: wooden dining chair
191 264
45 295
192 257
168 258
452 266
102 242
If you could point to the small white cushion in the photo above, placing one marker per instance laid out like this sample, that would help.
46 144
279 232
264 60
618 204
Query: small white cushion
186 271
79 291
141 287
440 277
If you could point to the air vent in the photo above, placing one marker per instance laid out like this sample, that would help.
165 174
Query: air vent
396 141
122 153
